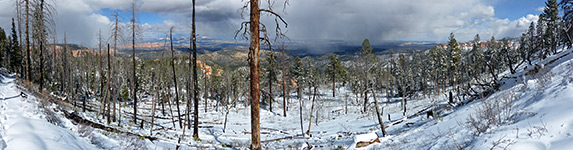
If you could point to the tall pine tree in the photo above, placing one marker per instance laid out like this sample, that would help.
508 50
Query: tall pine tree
3 46
14 51
551 16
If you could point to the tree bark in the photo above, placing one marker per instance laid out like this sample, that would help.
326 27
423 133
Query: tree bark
311 110
134 82
365 101
195 81
255 68
41 40
28 53
175 79
107 86
378 115
284 84
333 80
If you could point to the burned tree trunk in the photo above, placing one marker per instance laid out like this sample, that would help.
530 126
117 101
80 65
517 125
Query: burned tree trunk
255 68
378 114
195 82
175 78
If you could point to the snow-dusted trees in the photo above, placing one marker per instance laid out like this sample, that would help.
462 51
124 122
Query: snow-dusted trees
271 73
492 55
527 46
567 25
508 54
551 16
336 71
297 74
368 60
453 54
476 59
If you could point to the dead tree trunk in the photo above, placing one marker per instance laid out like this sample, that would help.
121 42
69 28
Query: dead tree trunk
333 80
378 115
300 112
28 53
195 81
365 101
41 40
175 78
311 110
255 68
154 103
169 104
107 86
134 83
284 84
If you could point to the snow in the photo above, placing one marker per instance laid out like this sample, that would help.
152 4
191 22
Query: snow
539 118
23 126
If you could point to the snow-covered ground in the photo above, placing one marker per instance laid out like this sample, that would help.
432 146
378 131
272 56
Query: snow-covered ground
530 112
24 124
534 113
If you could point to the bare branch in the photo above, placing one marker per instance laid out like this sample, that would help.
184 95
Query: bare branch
244 29
275 14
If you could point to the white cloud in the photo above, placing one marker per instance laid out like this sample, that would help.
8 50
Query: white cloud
349 20
540 9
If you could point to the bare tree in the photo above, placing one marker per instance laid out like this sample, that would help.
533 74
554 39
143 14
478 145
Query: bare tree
195 82
28 53
255 29
41 41
134 79
283 49
116 36
175 77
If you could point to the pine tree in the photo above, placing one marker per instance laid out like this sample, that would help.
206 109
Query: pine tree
368 61
453 53
529 43
297 72
540 42
3 46
476 57
492 56
15 55
551 13
567 26
272 72
336 71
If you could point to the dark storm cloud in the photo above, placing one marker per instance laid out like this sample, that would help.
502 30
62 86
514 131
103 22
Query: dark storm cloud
309 20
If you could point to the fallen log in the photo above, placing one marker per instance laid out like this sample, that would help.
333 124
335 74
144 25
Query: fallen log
78 119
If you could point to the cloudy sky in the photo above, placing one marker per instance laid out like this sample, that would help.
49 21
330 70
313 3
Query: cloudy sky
308 20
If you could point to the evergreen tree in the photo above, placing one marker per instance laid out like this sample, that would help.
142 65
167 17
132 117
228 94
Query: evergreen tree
476 58
529 43
540 41
15 54
567 26
3 46
491 56
453 53
336 71
551 16
271 72
297 73
368 60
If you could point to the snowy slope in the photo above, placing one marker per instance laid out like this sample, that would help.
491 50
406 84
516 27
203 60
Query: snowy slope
539 117
23 124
